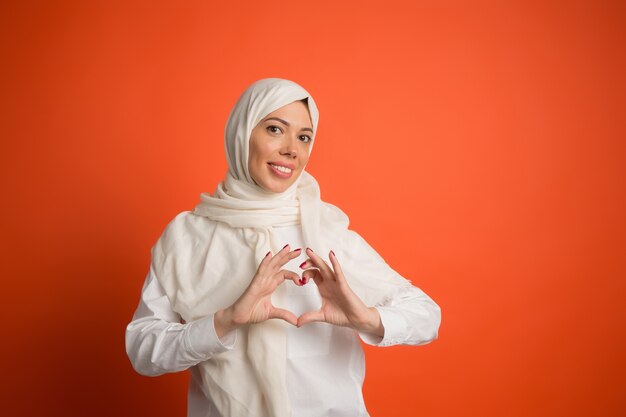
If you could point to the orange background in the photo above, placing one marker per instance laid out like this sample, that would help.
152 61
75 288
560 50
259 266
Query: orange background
479 146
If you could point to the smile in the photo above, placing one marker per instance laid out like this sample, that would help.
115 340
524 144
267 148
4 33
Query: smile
281 171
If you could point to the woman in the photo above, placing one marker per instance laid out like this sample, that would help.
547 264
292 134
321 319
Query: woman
216 301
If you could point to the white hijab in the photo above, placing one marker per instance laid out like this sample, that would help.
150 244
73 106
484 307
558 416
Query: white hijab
205 260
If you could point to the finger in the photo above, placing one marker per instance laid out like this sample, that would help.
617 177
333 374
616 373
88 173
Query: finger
266 259
281 252
306 264
275 261
285 255
312 274
264 264
321 264
290 255
285 275
336 267
280 313
310 317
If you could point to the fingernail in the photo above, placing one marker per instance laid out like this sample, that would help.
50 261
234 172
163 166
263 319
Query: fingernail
285 245
268 253
302 264
333 253
301 281
298 250
310 249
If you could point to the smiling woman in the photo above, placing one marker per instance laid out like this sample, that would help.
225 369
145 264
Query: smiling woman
222 297
280 146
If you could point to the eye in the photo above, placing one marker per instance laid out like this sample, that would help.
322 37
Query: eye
305 138
274 129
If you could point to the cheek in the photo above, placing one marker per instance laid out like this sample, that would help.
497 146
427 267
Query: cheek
304 152
253 159
262 152
259 155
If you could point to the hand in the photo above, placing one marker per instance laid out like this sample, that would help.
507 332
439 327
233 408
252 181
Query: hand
340 305
255 304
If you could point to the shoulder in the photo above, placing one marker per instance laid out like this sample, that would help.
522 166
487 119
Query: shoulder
185 222
185 230
332 215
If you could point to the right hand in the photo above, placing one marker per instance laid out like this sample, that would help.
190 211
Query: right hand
255 304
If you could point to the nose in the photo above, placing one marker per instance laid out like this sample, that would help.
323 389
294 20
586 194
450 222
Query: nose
289 147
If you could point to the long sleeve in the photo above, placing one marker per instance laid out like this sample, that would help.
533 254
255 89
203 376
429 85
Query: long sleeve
410 317
157 342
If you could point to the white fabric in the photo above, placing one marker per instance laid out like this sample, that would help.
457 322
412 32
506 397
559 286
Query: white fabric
322 361
204 262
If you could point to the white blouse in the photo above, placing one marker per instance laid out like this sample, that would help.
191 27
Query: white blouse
326 365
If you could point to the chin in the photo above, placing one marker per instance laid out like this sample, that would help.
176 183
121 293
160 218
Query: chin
277 190
275 187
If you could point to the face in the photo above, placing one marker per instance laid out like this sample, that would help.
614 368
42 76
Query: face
279 147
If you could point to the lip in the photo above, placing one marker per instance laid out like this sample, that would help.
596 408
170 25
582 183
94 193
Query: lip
283 164
280 173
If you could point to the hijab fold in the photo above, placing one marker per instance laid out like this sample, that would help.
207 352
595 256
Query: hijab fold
205 259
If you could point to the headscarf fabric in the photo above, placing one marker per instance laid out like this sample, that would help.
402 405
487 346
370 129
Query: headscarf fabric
206 259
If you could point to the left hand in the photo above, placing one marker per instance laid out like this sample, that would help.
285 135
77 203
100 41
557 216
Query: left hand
340 305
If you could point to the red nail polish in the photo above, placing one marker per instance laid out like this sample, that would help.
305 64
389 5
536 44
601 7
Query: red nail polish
268 253
310 250
301 281
302 264
285 245
333 253
298 250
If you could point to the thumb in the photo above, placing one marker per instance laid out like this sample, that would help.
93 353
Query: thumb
280 313
310 317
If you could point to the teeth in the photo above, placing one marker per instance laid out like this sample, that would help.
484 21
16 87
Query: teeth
282 169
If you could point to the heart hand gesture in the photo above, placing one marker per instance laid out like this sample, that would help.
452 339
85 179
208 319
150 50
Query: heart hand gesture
340 305
255 304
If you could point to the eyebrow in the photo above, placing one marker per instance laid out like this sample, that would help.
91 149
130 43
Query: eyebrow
287 123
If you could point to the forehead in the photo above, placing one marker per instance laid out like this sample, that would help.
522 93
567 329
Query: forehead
296 113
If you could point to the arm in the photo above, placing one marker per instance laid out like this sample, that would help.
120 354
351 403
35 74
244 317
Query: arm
157 342
410 317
